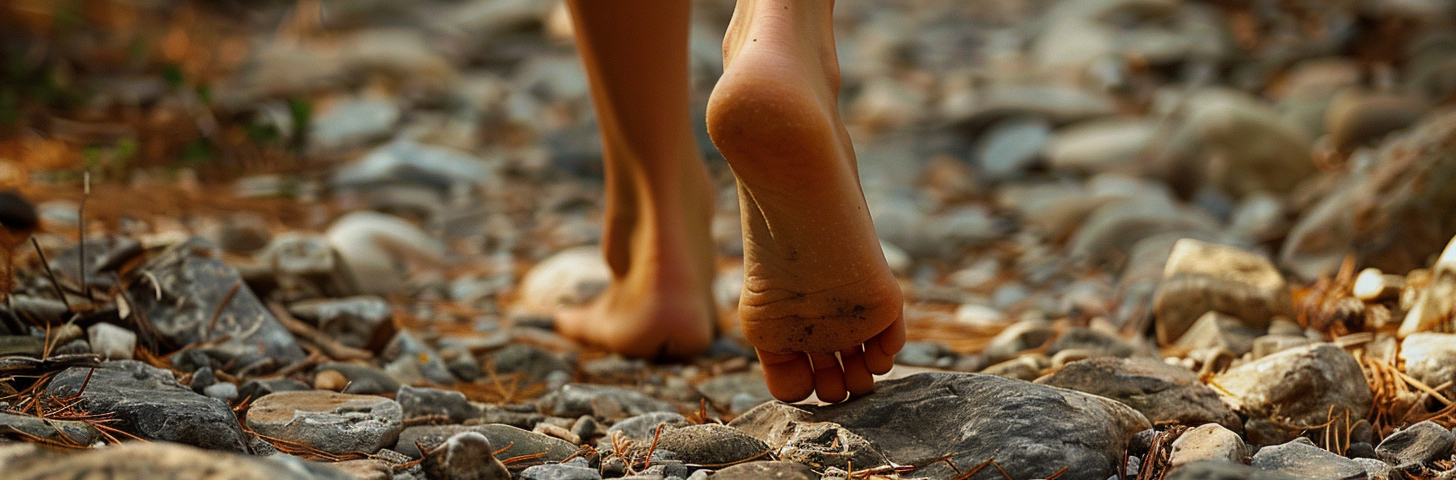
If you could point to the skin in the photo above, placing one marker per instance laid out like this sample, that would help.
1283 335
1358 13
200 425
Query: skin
819 302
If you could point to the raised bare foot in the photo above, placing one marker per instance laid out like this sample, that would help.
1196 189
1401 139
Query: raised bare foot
816 284
659 197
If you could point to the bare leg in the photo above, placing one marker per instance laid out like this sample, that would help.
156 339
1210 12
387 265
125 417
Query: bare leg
659 196
816 283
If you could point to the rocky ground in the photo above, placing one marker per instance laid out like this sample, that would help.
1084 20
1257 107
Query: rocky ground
1141 239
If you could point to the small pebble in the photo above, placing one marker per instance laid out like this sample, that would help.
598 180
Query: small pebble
330 380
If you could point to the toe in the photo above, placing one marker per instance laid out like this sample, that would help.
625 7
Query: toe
879 352
828 378
790 378
857 377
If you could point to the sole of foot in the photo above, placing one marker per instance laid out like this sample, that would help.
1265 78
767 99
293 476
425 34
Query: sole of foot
819 302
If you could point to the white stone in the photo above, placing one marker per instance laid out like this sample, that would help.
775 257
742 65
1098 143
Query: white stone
1435 306
1207 442
372 244
111 341
1371 285
979 315
570 277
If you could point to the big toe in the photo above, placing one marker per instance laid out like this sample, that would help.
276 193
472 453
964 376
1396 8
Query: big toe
789 376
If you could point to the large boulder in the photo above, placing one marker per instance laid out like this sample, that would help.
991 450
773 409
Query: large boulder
1031 430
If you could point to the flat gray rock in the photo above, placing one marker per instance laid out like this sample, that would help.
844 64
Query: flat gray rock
146 401
337 423
1304 460
601 401
1162 392
517 442
711 444
1418 444
191 296
154 460
1031 430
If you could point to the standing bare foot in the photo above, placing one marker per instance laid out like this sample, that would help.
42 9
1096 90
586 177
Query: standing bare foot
816 283
659 197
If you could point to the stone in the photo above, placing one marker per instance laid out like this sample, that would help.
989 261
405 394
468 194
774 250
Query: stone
1259 217
359 322
1031 430
746 389
1302 386
336 423
406 162
1307 461
570 277
1430 358
1008 148
1251 147
1384 216
1433 307
191 296
1100 145
1026 367
771 422
372 244
1221 470
258 387
711 444
1271 344
1418 444
153 460
534 363
1359 118
111 341
1218 331
433 402
148 402
465 456
225 391
352 123
925 354
560 472
766 470
1018 337
1372 285
643 427
1112 229
1097 342
824 444
1162 392
1207 442
1202 277
1376 469
601 401
412 361
57 432
516 442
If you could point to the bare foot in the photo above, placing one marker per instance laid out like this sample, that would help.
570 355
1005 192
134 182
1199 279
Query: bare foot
659 197
816 284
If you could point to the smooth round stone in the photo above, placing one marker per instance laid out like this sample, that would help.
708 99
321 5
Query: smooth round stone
336 423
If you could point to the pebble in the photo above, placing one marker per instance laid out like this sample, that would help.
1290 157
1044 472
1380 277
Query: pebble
336 423
359 322
1207 442
1303 386
111 341
417 402
515 441
1162 392
1218 331
1202 277
330 380
59 432
1018 337
148 402
601 401
1418 444
1372 285
644 427
412 163
560 472
353 123
711 444
826 444
258 387
152 460
1100 145
1221 470
925 354
225 391
1430 357
974 315
766 470
371 245
740 391
532 362
1009 147
465 456
1271 344
1257 149
1303 459
771 422
982 416
570 277
193 280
